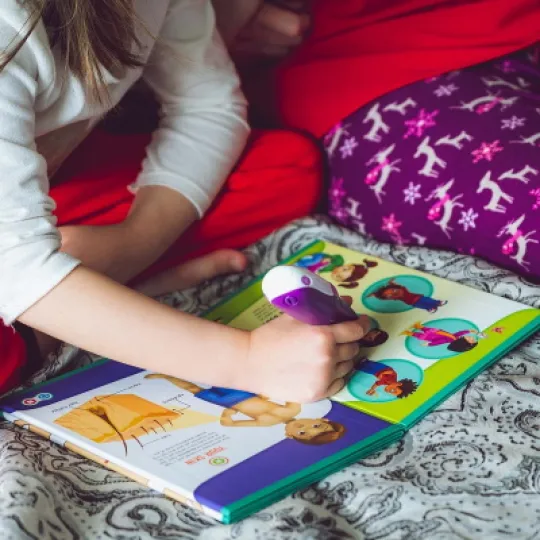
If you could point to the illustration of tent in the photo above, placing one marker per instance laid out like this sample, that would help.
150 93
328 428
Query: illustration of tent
121 417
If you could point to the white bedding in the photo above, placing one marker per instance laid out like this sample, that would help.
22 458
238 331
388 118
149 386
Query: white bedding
469 470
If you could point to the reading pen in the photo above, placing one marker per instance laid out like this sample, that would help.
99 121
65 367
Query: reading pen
305 296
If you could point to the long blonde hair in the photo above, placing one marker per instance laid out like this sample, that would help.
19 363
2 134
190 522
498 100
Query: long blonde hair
88 33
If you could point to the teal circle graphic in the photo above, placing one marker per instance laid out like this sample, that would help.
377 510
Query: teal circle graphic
361 381
374 323
414 284
439 352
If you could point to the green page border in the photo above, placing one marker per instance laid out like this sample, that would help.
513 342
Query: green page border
473 371
444 377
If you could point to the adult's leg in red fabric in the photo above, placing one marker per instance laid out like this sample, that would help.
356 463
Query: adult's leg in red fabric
278 179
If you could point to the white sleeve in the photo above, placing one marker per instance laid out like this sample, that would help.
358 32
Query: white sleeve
30 261
203 127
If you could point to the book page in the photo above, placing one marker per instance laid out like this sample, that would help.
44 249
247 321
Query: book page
209 444
427 333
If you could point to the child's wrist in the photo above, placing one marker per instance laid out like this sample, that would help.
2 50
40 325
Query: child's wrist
239 371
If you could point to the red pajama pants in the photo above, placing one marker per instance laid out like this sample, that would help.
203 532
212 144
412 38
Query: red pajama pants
278 179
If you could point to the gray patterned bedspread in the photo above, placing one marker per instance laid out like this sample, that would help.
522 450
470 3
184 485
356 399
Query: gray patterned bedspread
469 470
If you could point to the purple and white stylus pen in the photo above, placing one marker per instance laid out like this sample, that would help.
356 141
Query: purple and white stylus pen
305 296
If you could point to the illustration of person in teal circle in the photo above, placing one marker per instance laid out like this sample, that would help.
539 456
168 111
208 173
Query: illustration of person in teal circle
346 274
459 341
320 262
387 379
396 292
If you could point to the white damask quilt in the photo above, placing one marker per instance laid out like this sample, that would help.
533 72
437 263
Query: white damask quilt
469 470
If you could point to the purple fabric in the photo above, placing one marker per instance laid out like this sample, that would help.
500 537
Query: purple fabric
451 163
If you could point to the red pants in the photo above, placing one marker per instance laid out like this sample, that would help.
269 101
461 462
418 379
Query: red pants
278 179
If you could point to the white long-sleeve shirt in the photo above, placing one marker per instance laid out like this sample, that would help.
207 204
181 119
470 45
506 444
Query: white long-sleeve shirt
45 113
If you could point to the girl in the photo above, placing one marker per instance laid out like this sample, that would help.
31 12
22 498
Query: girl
430 114
320 262
348 275
394 291
64 64
461 341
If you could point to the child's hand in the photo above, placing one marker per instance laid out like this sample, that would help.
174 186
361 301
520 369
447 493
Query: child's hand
292 361
276 29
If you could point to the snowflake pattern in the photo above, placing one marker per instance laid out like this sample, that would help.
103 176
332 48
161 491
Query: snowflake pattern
513 123
468 219
445 90
348 147
339 213
412 192
536 194
487 151
336 191
418 125
506 66
391 225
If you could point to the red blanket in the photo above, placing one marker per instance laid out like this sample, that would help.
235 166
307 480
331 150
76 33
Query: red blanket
359 51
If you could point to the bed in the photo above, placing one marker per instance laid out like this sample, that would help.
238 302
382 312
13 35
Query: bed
469 470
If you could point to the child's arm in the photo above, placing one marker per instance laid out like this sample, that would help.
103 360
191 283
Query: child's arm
50 291
92 312
99 315
203 128
373 390
202 132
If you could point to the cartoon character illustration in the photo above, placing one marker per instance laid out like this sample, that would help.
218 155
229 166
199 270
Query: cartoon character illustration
387 377
460 342
262 411
395 291
320 262
348 275
374 338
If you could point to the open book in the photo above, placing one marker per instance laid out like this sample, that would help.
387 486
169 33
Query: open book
229 453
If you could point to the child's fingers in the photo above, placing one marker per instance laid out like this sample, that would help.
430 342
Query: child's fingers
283 21
335 387
194 272
348 332
343 369
347 351
270 37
